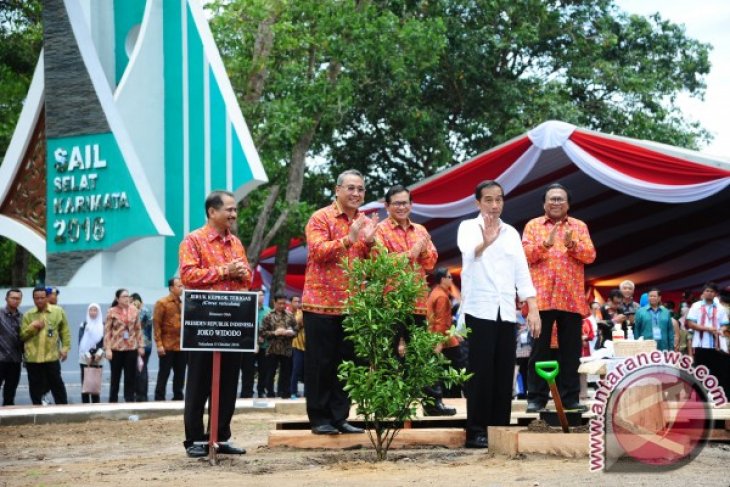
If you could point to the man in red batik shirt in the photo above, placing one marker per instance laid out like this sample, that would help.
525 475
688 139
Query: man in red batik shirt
400 235
212 257
557 248
333 232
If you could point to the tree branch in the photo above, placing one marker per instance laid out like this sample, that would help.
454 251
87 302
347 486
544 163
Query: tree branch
275 228
258 243
261 50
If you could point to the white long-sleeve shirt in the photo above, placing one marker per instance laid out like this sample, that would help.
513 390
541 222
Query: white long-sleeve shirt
702 339
489 282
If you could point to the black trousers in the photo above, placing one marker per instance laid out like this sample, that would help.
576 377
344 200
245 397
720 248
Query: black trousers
265 383
198 390
717 362
44 376
568 357
492 361
283 383
248 373
175 361
402 332
87 398
299 365
327 401
10 377
458 360
123 361
142 379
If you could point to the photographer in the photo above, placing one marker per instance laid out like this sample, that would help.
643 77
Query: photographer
628 307
612 313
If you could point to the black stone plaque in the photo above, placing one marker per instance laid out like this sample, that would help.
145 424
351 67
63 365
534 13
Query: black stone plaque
219 321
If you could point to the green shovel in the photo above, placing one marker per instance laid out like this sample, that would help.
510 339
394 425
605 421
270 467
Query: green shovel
548 371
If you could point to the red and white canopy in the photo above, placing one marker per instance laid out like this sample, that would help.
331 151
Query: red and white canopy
658 214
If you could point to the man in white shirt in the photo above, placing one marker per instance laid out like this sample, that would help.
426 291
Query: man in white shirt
493 268
707 319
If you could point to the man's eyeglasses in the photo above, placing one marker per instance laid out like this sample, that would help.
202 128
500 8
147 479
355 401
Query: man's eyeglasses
399 204
353 189
557 200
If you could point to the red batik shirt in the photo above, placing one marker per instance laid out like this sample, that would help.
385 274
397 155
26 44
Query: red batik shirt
203 255
439 315
325 284
401 240
557 272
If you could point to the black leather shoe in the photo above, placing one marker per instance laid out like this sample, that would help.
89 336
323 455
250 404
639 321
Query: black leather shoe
346 427
197 451
577 407
476 441
438 409
325 429
534 407
228 449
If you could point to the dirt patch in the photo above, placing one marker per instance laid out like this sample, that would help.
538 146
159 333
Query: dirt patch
149 452
540 426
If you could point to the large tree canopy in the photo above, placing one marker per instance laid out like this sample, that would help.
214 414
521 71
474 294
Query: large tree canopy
402 89
509 66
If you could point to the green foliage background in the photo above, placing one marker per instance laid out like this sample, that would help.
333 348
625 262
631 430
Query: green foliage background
21 39
402 89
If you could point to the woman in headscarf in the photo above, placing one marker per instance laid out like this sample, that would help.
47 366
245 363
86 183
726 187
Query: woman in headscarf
123 342
91 345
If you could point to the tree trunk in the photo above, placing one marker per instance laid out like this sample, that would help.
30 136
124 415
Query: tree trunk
296 176
261 51
278 281
293 193
258 242
381 449
254 89
19 274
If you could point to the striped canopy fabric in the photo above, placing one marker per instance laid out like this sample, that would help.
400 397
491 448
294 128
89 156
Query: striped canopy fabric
657 214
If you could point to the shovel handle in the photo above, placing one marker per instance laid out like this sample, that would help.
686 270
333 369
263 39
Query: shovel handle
547 370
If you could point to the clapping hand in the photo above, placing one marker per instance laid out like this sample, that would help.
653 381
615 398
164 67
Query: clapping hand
568 239
370 227
365 226
419 246
551 236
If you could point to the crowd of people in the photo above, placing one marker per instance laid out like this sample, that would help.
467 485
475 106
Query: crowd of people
522 301
40 339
